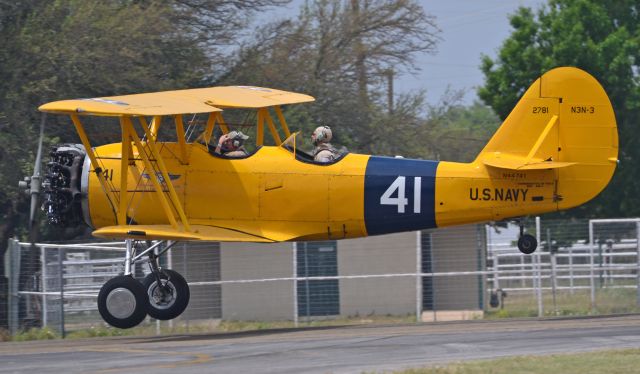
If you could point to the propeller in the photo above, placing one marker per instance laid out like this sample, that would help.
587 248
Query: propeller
34 183
29 259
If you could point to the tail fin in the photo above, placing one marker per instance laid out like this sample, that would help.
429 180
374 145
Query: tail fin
564 122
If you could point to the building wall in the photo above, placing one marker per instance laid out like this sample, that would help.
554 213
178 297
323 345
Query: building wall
199 262
386 254
454 249
262 300
457 249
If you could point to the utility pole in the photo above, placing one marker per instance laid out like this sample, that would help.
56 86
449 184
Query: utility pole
389 74
361 69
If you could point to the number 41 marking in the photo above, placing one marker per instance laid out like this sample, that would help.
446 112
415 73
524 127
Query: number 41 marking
401 201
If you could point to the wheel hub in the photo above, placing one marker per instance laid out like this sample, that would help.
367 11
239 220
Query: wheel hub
162 297
121 303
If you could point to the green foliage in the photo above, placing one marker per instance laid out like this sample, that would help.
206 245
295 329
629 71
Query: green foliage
44 333
71 48
601 37
4 335
102 331
458 133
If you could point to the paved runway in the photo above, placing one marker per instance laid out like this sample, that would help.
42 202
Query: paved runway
323 350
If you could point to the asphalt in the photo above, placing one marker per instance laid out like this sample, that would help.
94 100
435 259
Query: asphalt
323 350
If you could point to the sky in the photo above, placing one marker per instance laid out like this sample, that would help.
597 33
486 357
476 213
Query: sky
470 28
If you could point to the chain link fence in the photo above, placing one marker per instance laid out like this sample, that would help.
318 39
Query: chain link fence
466 272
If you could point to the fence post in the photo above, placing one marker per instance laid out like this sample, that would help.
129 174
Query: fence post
638 262
523 281
185 269
60 266
592 281
158 326
295 283
418 276
554 277
571 270
496 271
43 264
539 271
14 281
170 266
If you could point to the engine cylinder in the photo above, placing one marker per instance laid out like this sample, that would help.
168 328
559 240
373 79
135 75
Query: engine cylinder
62 185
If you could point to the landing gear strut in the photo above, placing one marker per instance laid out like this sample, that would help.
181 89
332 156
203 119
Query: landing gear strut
527 243
124 302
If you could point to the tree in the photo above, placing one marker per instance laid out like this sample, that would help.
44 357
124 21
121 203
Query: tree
339 52
601 37
70 48
86 48
457 132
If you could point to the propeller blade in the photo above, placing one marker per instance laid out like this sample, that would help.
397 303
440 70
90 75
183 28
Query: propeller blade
36 178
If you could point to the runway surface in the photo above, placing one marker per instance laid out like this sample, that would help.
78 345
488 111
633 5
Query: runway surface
323 350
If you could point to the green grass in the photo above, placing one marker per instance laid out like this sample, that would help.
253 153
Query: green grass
4 335
610 362
82 330
35 334
608 301
229 326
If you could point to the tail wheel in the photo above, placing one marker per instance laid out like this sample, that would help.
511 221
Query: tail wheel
122 302
527 244
169 299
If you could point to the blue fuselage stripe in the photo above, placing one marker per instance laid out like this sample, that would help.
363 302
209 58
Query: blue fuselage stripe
399 195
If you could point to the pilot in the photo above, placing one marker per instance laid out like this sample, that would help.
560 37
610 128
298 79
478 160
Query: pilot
231 144
323 151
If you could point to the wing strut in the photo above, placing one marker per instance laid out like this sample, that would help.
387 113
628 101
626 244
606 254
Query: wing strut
124 167
283 123
94 161
211 124
165 175
182 142
260 128
264 116
223 124
155 127
272 127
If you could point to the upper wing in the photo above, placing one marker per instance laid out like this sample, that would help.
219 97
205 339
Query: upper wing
197 100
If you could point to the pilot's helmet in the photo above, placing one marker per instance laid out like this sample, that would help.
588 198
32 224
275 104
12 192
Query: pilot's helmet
237 138
322 134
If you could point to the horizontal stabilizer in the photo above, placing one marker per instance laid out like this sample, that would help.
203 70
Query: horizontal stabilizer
521 163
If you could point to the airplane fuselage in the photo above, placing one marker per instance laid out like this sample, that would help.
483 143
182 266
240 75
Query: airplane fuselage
357 196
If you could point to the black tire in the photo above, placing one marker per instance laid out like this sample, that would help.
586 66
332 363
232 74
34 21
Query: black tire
122 302
171 305
527 244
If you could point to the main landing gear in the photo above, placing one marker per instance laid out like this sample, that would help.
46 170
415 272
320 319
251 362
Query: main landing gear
527 243
124 302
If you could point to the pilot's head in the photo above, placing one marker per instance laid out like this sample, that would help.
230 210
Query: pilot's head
321 134
235 140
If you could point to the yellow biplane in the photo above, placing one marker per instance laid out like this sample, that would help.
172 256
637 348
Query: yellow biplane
557 149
